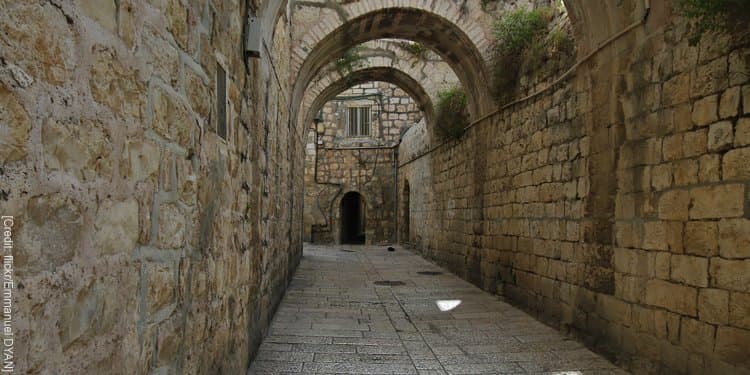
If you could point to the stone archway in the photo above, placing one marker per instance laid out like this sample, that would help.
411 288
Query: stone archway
384 60
593 22
449 29
436 27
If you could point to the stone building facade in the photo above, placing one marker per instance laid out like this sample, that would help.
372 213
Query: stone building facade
343 158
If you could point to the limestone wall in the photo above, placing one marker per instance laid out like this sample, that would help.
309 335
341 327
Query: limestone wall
144 241
614 206
414 209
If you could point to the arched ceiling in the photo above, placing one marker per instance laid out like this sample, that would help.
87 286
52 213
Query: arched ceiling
397 56
442 25
421 25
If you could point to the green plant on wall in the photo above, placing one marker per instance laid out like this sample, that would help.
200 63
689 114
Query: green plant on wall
350 60
518 29
517 37
524 45
716 16
452 113
416 49
562 47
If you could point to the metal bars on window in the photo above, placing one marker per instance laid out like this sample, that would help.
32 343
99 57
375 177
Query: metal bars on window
359 121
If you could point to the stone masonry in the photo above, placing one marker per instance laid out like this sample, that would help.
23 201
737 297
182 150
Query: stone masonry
614 206
145 243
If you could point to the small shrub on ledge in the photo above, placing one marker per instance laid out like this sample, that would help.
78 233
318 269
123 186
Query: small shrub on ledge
452 114
525 45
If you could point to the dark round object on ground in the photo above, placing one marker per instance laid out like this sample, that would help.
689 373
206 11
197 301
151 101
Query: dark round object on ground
390 248
389 283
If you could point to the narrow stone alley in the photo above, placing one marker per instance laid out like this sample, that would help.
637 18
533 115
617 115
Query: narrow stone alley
337 318
205 187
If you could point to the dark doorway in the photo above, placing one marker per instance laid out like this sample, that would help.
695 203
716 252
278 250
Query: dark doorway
352 219
406 213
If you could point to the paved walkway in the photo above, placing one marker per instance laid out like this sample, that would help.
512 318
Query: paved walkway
334 319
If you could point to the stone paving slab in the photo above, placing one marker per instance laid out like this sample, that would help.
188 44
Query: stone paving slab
334 319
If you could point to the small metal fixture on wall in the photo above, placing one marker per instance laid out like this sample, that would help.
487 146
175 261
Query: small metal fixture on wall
319 128
253 37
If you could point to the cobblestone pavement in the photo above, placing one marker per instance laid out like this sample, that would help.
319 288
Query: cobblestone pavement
335 319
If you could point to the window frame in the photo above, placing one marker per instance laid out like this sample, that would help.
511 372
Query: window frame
361 128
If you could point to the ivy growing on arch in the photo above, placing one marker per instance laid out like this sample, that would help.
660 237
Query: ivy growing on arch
350 60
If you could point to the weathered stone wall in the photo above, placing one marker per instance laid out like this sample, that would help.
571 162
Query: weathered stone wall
414 211
361 164
681 231
614 206
144 242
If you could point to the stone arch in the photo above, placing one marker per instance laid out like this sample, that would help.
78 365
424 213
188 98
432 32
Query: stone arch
450 29
393 53
593 22
596 21
438 25
327 91
393 61
269 14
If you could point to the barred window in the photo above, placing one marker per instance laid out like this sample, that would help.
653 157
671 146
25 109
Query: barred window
359 122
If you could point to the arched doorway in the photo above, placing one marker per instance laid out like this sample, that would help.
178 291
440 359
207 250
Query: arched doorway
405 225
353 218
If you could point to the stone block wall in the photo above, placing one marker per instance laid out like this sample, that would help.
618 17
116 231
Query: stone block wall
340 163
144 242
413 202
614 206
681 254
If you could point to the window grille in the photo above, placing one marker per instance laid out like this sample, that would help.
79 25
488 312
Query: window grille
359 122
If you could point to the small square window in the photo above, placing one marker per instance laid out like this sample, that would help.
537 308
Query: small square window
221 101
359 122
